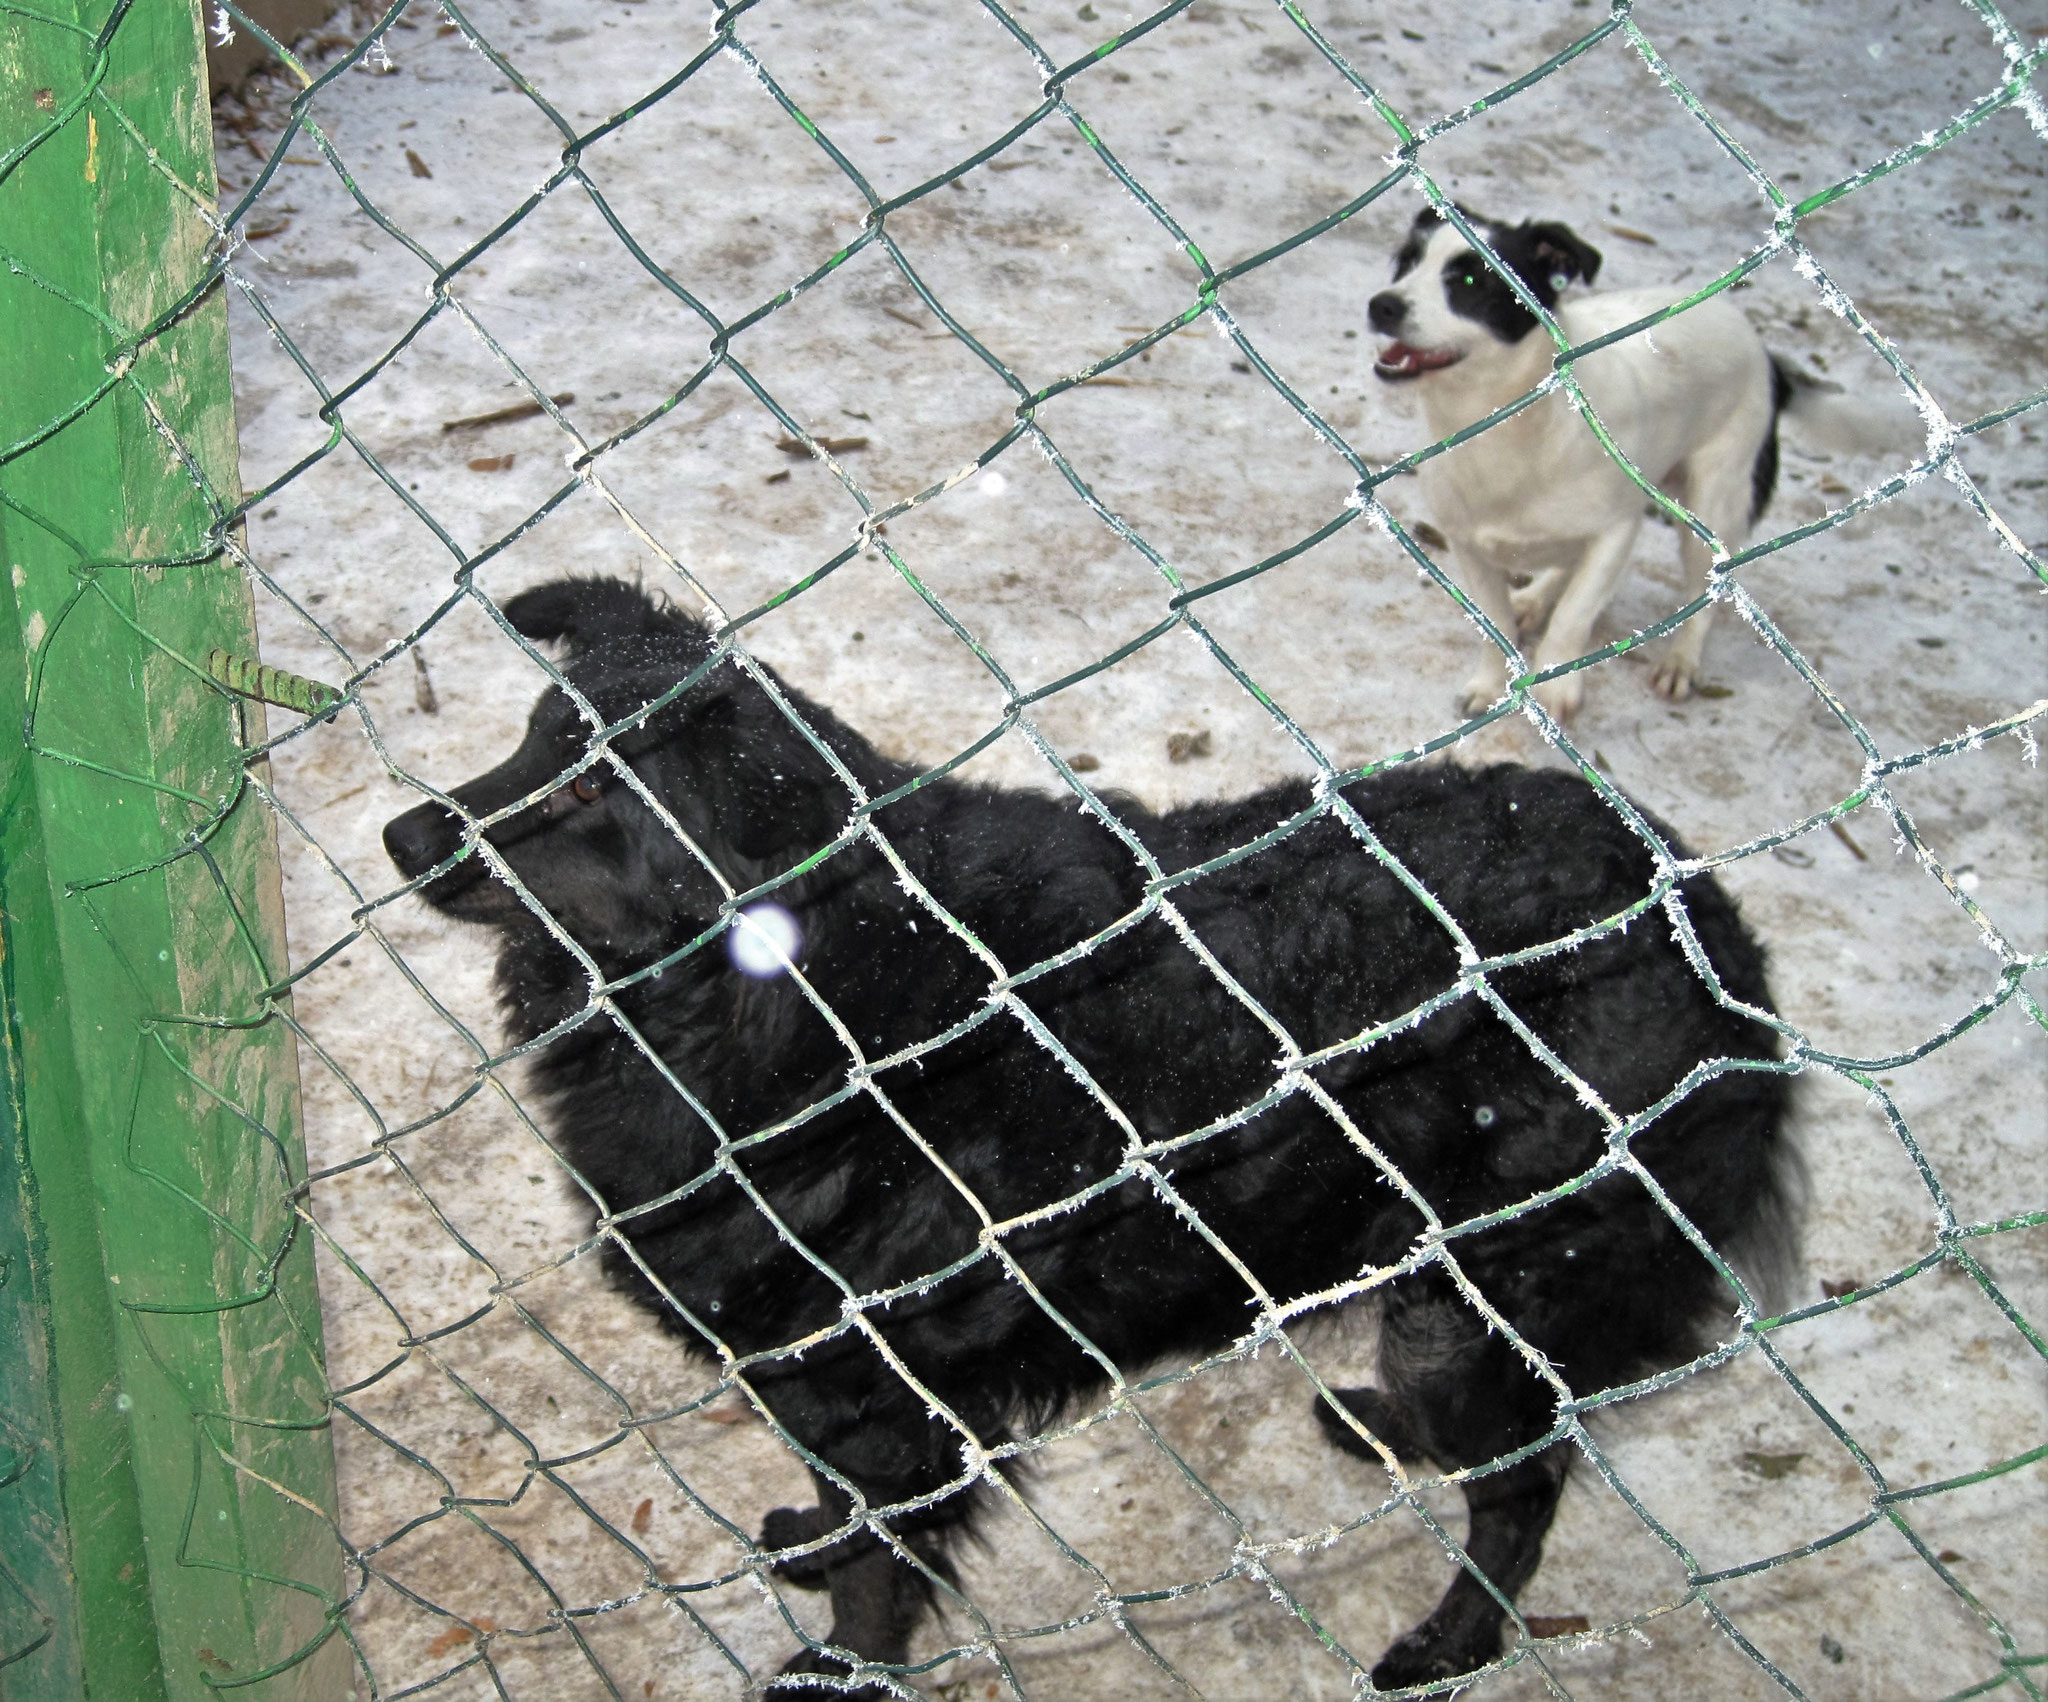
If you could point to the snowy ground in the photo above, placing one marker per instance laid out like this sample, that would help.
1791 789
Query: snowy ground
1919 619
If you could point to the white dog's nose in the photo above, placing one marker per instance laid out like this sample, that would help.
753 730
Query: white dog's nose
1385 312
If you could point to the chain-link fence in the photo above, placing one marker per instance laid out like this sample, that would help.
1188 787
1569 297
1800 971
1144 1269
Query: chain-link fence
1028 481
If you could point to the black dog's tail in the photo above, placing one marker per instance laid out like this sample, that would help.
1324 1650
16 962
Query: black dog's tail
1765 1250
1827 417
1746 1186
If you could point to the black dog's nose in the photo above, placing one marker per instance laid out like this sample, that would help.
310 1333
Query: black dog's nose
1385 312
422 837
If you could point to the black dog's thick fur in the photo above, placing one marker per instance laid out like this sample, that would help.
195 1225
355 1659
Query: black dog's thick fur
1313 928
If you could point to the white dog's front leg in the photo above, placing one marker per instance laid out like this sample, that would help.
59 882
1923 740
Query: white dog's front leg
1678 670
1536 599
1570 632
1486 583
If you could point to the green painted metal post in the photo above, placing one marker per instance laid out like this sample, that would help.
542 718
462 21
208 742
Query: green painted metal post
166 1473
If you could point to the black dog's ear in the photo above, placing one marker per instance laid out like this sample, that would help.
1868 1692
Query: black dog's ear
583 613
1560 254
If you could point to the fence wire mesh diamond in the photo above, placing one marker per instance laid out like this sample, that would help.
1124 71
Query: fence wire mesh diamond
998 375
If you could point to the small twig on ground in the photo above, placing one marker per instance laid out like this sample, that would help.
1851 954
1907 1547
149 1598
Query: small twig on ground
501 416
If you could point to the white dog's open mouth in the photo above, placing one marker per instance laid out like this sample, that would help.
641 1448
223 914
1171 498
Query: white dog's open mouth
1400 360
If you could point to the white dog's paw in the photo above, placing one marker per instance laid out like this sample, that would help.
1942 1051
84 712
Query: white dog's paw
1674 677
1562 696
1480 693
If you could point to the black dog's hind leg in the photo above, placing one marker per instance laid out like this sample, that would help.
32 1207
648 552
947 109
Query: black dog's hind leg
791 1527
877 1598
1465 1397
1380 1416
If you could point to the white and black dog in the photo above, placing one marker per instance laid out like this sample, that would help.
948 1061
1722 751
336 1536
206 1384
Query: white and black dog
1694 403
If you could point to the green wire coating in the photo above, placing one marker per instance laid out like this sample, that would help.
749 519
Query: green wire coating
246 678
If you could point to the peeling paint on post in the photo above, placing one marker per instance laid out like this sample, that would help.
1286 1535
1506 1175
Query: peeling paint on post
166 1472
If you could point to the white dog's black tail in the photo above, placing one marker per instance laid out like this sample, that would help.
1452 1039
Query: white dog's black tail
1824 416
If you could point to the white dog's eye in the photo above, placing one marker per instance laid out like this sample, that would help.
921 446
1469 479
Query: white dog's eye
1558 280
586 788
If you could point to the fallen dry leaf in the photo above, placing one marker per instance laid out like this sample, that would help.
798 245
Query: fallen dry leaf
1084 762
1835 1290
1556 1624
490 463
831 445
1628 233
419 166
1182 747
1771 1467
458 1634
643 1516
1428 536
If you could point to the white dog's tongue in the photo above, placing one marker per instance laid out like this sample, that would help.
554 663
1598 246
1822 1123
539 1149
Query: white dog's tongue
1405 359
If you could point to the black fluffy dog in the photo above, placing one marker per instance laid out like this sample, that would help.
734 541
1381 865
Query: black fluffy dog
1313 927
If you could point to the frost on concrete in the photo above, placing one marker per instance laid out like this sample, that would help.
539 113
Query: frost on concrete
534 1483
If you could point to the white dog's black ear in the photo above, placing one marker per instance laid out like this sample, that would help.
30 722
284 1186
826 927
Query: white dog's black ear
1561 256
585 613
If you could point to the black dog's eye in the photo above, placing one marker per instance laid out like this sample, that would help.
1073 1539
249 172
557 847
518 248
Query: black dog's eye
586 788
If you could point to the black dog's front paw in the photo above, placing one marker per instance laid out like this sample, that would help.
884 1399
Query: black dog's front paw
789 1527
1421 1658
816 1661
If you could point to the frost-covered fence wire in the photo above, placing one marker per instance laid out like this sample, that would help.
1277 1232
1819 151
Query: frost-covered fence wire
1183 604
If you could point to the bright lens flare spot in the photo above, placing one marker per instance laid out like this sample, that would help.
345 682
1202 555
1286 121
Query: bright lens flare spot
763 941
